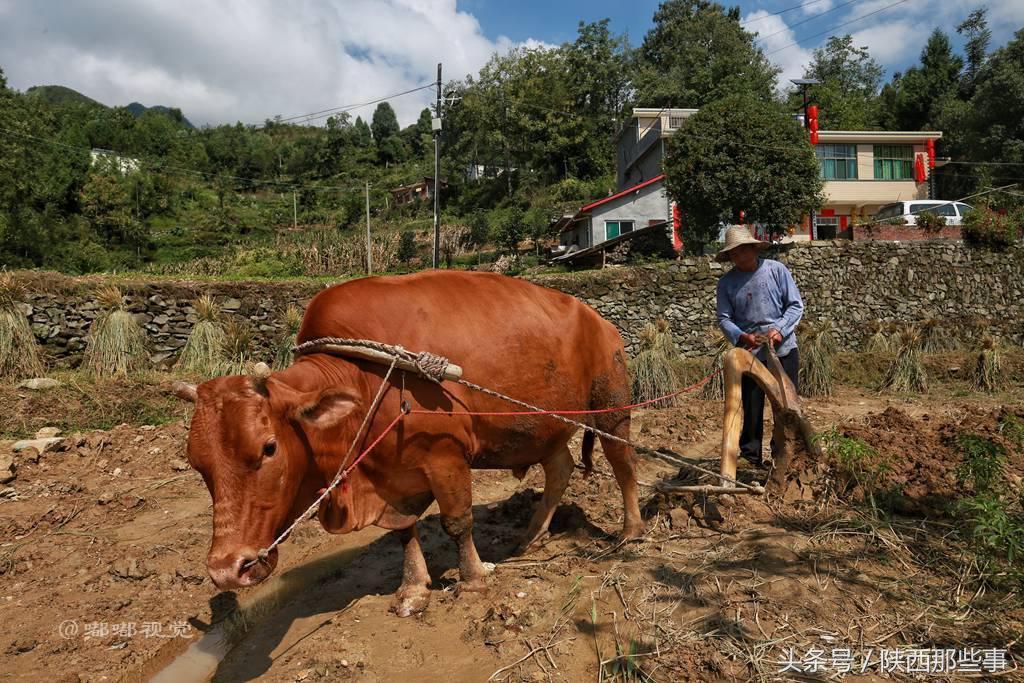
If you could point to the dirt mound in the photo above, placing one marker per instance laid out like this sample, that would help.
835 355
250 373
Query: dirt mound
916 458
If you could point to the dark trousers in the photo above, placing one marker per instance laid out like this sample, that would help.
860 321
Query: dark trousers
753 408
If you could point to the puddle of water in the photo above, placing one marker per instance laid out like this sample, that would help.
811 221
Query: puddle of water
199 662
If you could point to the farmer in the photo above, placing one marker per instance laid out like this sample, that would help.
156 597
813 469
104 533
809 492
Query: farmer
757 304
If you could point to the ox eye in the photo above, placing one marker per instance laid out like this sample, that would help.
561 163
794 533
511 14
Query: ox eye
269 448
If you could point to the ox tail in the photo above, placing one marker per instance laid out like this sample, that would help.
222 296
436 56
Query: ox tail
588 452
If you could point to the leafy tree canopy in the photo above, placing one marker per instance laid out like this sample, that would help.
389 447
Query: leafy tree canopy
741 154
696 53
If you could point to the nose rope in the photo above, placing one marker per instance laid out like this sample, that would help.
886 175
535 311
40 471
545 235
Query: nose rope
345 469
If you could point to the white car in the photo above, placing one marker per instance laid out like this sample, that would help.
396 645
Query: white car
953 212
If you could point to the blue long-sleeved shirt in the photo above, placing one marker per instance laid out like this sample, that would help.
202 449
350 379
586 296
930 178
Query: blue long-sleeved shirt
755 302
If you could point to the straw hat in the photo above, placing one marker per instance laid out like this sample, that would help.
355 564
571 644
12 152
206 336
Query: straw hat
735 236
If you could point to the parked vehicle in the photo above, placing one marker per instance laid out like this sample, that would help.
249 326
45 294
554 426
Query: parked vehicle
953 212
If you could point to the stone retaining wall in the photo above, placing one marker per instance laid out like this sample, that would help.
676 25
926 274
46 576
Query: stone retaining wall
846 283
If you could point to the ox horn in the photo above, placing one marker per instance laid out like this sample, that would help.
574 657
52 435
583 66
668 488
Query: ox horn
258 376
184 391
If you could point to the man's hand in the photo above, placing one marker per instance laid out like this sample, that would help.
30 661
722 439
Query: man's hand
774 337
748 341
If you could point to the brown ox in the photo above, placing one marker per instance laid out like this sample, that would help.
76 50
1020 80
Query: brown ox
267 448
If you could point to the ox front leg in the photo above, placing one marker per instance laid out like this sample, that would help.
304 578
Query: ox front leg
472 573
452 485
413 595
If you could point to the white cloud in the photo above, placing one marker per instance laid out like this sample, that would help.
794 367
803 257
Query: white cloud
778 36
817 7
243 59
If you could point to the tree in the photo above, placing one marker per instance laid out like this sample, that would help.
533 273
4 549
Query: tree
850 80
975 27
511 229
385 123
696 53
741 154
362 137
995 122
924 90
407 246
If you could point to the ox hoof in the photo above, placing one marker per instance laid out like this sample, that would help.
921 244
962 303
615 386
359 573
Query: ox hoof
632 532
532 544
410 603
477 585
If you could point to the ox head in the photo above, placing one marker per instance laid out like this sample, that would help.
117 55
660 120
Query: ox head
253 440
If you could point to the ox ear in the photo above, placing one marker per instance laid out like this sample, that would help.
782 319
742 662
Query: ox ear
327 409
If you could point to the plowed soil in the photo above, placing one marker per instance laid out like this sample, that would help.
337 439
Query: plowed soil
113 527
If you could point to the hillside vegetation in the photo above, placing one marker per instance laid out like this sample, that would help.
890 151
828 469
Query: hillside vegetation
538 128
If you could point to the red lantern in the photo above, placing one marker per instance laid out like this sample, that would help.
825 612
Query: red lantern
931 153
812 122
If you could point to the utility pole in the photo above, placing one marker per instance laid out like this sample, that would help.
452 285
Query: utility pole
295 211
369 245
435 125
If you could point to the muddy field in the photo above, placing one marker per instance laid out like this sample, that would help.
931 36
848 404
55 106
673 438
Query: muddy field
103 538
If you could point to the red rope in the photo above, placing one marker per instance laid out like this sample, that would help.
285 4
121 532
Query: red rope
348 470
511 413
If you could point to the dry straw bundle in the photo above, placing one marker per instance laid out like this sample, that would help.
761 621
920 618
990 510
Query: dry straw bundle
935 337
19 354
116 344
203 353
653 368
989 366
906 372
237 347
879 338
714 388
817 347
292 321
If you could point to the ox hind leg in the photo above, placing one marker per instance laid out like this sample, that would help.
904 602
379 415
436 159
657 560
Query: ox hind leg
624 464
557 471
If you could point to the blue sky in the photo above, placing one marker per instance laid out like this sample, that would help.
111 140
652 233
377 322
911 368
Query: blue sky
249 60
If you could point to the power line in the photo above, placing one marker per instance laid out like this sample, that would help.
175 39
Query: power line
775 14
810 18
833 28
349 107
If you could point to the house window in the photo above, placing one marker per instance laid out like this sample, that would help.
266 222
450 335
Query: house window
616 228
894 162
838 162
675 122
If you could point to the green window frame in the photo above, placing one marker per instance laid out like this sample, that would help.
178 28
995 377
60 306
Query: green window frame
613 229
837 161
894 162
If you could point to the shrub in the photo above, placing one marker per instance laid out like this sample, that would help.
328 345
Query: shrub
930 222
116 344
19 354
857 462
407 246
653 373
987 228
994 521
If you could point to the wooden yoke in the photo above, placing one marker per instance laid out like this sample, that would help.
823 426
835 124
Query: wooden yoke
780 391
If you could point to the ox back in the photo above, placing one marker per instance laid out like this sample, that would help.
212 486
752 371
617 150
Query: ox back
528 342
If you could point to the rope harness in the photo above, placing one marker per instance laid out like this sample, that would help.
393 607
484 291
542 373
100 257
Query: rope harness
436 369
